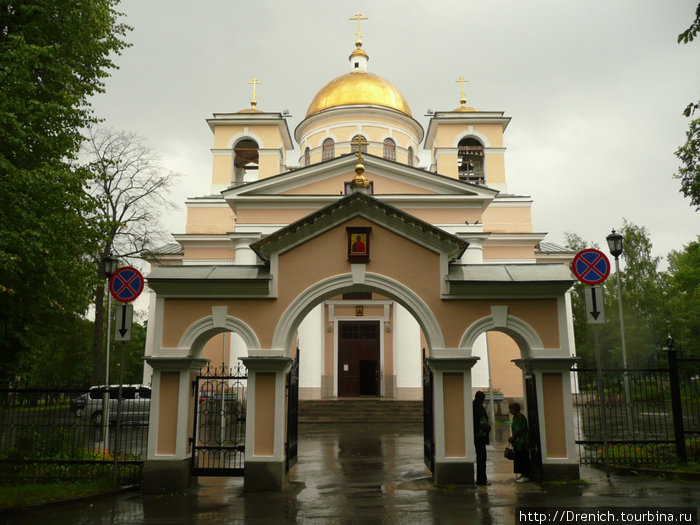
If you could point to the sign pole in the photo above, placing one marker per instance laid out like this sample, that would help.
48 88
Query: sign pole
119 413
601 397
105 394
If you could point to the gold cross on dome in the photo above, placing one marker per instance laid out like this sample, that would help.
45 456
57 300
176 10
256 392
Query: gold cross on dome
462 80
255 82
359 141
358 16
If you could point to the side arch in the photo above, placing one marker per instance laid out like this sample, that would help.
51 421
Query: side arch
527 339
199 332
305 302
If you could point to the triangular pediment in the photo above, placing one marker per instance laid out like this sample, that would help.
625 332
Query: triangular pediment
360 205
388 178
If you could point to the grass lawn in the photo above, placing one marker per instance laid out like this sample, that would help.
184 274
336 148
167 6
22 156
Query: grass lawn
18 495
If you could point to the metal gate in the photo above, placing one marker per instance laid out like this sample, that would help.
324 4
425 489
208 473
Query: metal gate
218 440
428 431
533 427
292 414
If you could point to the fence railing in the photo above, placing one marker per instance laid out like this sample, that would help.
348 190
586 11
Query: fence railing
654 422
50 435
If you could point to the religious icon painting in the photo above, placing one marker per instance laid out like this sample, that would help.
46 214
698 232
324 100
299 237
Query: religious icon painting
358 244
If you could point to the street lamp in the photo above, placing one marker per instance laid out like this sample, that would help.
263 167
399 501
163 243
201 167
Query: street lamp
110 265
615 247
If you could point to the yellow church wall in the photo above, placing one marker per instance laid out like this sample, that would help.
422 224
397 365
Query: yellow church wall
509 252
268 166
553 399
334 185
495 169
504 374
167 413
264 414
222 168
269 136
297 272
453 390
508 219
446 215
446 134
260 216
202 220
447 165
196 252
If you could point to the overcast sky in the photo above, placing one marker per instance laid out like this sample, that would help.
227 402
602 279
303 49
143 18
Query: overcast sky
595 90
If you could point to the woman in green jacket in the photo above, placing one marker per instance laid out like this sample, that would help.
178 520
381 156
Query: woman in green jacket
521 464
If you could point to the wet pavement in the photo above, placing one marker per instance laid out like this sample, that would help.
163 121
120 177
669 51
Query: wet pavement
365 474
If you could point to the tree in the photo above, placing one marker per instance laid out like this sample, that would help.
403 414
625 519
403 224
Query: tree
130 188
54 56
689 153
683 298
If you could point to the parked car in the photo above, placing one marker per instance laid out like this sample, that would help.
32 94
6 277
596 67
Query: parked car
136 404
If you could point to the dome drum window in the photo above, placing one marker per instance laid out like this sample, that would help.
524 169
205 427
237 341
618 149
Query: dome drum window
389 149
328 150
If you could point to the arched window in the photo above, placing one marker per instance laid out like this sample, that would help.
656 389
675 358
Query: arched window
470 155
307 156
353 143
410 156
389 149
328 149
245 159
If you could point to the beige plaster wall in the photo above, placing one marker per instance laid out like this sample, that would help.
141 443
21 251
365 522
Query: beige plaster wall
507 219
264 414
224 253
167 413
446 215
504 374
335 185
509 252
298 271
453 395
446 134
209 220
554 415
269 135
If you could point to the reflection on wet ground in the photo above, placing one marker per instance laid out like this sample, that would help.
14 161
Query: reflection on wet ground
367 474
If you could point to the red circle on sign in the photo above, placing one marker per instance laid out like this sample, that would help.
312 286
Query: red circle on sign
126 284
591 266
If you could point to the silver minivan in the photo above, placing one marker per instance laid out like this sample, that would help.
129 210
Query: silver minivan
136 404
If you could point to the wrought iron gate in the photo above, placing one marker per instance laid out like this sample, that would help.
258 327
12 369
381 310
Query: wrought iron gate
533 427
218 441
428 431
292 414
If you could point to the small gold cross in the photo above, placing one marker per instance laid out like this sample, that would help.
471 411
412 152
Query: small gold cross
255 82
359 141
358 16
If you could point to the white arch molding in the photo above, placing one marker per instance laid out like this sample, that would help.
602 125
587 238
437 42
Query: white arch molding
472 134
305 302
199 332
523 334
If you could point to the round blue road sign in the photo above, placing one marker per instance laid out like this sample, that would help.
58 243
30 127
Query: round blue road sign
591 266
126 284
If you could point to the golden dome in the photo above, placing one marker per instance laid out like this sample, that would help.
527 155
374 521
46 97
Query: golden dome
358 88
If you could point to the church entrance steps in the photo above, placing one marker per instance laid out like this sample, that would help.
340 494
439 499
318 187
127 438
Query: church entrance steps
360 409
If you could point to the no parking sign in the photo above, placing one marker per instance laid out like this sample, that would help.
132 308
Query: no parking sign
591 266
126 284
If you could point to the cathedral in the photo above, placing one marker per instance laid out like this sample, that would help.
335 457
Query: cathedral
364 258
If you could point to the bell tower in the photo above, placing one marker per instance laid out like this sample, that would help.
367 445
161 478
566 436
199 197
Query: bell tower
248 145
467 144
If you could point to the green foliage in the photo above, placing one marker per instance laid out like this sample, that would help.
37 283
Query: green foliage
689 34
54 55
683 297
689 171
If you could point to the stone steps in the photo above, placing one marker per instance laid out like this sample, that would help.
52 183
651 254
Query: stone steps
354 410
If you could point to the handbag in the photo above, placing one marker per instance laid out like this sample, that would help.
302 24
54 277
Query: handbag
509 452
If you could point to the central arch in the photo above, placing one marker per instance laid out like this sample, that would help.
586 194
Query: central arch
304 303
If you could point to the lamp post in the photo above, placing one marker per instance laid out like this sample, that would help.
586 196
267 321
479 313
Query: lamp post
110 265
615 247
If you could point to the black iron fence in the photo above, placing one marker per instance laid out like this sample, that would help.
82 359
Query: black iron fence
51 435
638 417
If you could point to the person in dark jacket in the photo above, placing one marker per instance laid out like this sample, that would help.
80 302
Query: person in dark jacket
482 428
